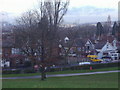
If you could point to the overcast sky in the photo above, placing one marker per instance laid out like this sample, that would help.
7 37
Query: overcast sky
80 11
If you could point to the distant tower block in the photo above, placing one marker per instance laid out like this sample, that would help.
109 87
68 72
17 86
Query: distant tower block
109 21
109 25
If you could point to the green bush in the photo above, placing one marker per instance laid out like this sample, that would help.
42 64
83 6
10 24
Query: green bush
55 69
27 64
52 70
6 72
16 71
29 71
11 71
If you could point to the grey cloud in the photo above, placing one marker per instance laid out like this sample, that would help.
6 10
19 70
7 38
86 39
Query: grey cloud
89 14
89 10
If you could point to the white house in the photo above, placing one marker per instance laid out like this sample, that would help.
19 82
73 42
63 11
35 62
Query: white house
109 51
89 46
4 64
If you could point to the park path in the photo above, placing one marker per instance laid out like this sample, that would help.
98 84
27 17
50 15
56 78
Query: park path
61 75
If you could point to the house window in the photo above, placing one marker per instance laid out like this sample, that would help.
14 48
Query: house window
6 54
83 48
17 61
107 46
105 54
79 49
115 58
15 51
88 47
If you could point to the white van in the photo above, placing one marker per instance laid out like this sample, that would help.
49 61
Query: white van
84 63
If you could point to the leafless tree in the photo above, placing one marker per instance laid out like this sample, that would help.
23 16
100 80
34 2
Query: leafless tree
37 31
71 34
54 12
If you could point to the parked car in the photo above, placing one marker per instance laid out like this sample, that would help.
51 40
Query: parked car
73 55
84 63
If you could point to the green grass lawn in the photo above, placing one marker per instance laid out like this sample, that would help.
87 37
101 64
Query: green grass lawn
108 80
61 72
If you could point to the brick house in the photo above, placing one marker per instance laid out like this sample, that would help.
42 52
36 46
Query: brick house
7 44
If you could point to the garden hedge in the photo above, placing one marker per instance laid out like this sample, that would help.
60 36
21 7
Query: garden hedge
82 67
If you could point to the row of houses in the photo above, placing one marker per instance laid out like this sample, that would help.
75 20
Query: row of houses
106 48
12 56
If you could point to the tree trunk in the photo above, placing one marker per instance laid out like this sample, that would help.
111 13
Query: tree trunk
43 74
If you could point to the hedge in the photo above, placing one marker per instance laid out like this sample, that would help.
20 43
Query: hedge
29 71
85 67
11 71
18 71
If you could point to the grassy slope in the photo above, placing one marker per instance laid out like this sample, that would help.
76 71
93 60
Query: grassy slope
61 72
109 80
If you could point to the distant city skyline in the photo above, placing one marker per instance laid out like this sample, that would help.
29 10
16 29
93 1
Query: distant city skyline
79 11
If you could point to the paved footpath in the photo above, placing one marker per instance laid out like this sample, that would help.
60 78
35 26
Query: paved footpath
61 75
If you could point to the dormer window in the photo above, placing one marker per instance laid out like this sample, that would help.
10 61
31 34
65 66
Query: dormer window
88 47
107 46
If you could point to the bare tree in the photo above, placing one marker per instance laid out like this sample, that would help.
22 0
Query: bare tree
25 31
37 31
66 46
54 12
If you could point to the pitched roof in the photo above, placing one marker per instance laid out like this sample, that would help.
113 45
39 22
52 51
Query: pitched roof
106 38
80 42
7 44
99 45
108 46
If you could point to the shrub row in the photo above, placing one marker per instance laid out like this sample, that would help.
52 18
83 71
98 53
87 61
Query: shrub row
11 71
18 71
85 67
29 71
